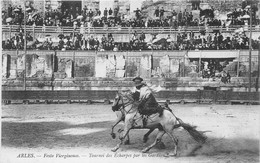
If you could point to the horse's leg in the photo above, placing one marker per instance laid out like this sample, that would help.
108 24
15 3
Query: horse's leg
121 141
146 136
175 141
127 141
157 140
119 118
112 130
128 126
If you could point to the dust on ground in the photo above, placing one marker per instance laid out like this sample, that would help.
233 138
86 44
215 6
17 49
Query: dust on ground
80 133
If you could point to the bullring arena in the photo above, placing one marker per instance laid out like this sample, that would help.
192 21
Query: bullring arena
81 133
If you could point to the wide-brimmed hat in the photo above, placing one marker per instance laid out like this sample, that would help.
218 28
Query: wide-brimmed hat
138 78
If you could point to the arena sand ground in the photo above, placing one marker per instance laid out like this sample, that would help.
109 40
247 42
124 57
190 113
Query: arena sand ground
81 133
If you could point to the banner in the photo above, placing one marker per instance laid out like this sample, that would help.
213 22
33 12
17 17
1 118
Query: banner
213 54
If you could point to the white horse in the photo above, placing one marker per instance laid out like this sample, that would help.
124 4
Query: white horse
165 123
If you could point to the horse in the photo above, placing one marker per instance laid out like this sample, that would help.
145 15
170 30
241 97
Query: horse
165 123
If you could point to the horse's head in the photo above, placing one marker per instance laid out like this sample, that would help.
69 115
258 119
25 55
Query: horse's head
117 103
121 99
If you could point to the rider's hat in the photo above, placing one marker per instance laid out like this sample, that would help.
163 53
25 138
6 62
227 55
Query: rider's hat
138 78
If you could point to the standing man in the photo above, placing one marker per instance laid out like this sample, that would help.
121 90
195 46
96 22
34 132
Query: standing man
142 37
9 10
185 14
110 12
180 16
157 12
137 13
209 39
190 18
116 11
91 14
105 12
98 12
174 14
162 13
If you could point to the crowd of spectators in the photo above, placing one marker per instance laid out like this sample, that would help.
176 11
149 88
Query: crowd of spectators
89 18
212 41
213 69
238 16
113 18
75 41
137 42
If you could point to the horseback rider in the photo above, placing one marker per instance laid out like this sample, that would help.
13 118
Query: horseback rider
144 100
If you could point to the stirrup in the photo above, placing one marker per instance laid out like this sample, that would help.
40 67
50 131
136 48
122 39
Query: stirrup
144 119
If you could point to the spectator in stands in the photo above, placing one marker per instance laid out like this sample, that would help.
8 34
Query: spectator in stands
69 45
137 13
91 43
91 14
96 46
225 77
105 13
157 12
162 13
77 43
209 39
98 12
61 43
174 15
110 12
10 11
116 12
142 37
180 17
78 11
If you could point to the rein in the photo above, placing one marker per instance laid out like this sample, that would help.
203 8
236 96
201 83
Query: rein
124 105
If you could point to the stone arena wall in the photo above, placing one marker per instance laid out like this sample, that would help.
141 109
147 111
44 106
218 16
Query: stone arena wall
90 70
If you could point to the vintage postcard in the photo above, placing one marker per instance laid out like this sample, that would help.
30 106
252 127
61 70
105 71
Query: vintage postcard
120 81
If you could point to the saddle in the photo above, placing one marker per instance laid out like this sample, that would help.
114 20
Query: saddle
153 109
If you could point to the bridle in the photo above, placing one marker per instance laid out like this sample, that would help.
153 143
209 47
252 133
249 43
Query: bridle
123 105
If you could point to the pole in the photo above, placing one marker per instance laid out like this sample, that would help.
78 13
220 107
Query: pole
183 72
179 67
24 27
53 69
238 60
24 79
33 33
10 32
250 48
200 64
258 69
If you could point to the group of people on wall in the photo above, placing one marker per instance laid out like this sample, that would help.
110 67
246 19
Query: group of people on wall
161 17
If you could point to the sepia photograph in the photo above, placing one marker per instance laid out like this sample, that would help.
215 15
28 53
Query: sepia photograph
130 81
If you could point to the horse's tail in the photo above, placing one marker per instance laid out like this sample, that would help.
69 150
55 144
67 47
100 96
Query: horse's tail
198 136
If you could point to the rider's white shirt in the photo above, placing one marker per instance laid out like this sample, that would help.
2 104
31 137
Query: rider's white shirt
145 91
